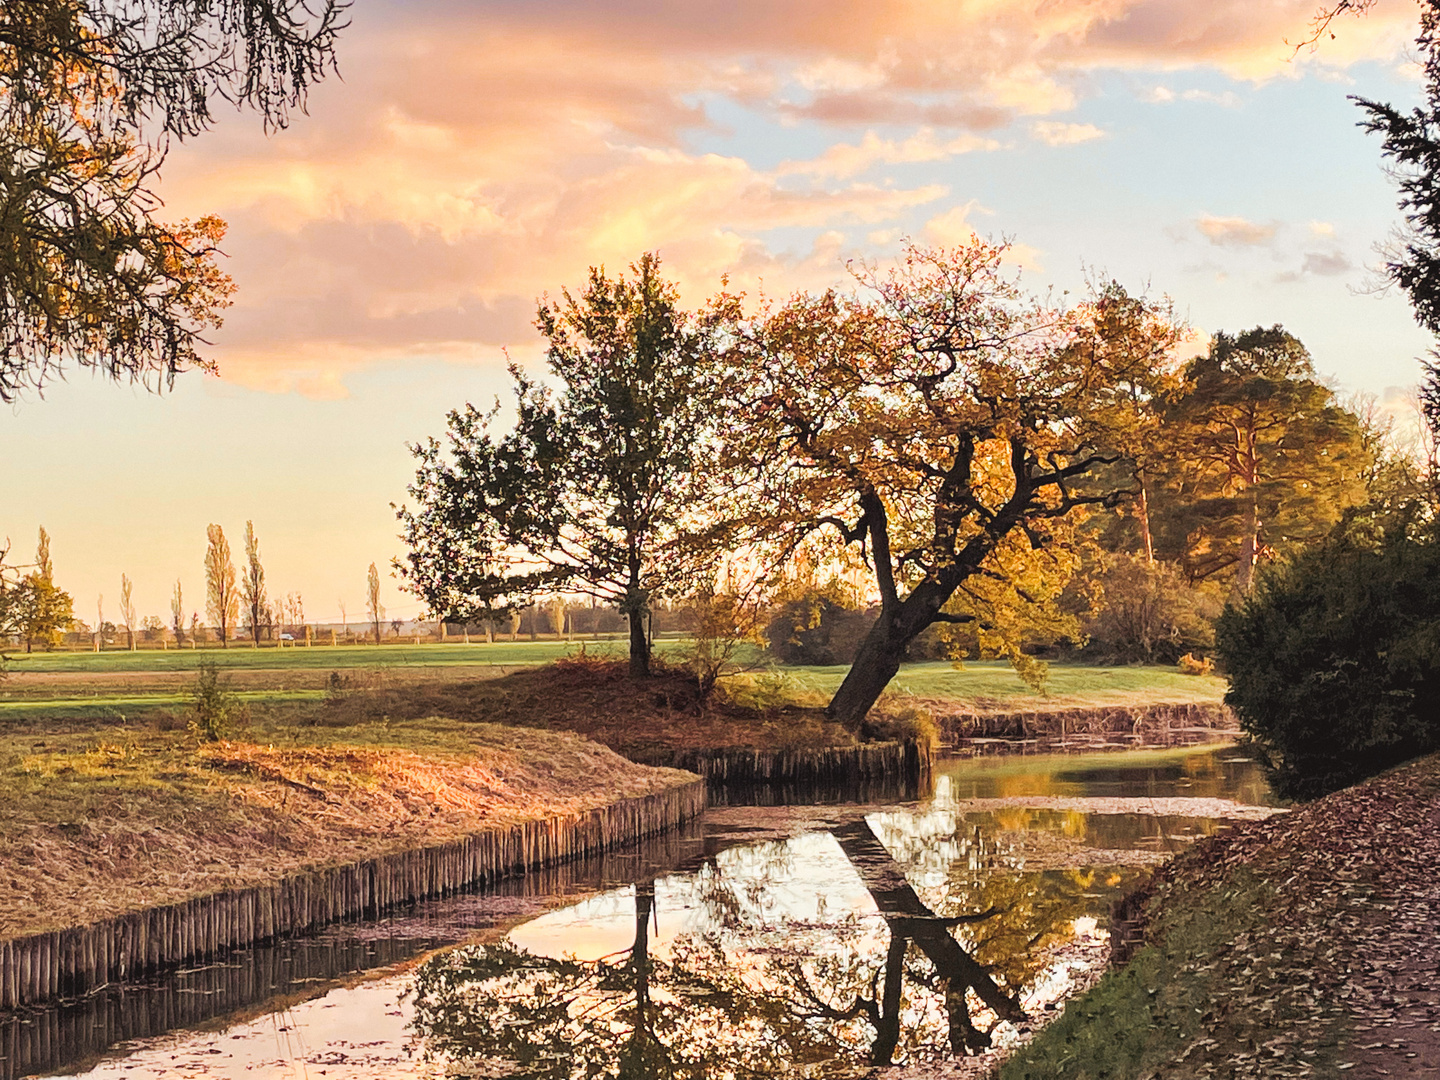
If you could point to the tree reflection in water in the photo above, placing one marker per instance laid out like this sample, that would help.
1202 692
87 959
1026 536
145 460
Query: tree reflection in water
750 996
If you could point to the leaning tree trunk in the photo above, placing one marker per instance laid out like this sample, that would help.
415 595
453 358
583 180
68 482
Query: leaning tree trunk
882 651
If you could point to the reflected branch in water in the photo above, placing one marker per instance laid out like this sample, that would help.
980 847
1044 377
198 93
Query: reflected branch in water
910 919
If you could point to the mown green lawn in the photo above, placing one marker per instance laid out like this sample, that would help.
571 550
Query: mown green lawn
318 657
994 681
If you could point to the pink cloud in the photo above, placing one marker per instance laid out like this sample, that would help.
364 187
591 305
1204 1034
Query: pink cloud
474 158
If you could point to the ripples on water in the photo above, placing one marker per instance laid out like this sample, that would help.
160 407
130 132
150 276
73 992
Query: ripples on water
805 941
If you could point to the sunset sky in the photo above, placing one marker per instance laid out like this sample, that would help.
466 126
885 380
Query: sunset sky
388 246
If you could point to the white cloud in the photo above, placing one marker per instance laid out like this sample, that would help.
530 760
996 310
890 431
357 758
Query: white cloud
844 160
1058 133
1234 231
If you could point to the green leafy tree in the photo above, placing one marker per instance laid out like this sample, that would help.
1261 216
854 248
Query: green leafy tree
44 610
946 424
592 488
1262 457
1411 144
90 93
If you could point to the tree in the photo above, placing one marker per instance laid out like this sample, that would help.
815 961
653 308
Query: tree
373 607
222 598
1137 339
1262 457
1333 661
942 422
127 610
252 585
177 614
590 490
43 610
90 276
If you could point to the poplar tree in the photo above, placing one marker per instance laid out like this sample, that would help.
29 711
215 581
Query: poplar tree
222 598
252 585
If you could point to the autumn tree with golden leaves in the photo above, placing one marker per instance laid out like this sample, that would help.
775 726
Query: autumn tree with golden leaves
944 423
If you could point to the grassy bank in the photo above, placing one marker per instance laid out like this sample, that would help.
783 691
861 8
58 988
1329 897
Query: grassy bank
108 820
1301 946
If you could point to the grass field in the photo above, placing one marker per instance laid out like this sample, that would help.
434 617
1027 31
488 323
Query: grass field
73 685
318 657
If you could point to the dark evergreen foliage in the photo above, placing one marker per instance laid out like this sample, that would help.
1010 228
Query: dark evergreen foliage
1334 663
1412 145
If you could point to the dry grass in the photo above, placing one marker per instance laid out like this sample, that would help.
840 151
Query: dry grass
96 827
598 699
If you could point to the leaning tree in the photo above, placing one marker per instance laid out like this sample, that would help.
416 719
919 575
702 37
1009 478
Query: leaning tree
942 421
591 490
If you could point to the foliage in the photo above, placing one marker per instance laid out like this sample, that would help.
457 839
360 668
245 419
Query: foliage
944 423
591 489
1411 143
214 707
1149 613
88 274
222 598
1333 663
1190 664
821 627
252 585
725 624
31 606
1260 458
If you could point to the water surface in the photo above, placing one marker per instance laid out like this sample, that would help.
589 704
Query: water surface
801 941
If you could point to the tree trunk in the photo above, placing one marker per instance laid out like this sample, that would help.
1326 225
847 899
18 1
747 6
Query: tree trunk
1142 514
1249 551
639 645
907 917
878 660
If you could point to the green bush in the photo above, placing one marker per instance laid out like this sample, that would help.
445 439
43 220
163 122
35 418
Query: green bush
1334 663
817 628
214 708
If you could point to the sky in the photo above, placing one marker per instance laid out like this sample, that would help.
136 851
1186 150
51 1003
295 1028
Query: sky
389 246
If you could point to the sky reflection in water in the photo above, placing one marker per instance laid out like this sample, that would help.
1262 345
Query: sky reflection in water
809 945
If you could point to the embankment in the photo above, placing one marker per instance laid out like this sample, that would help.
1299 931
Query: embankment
1299 946
729 766
1156 724
76 961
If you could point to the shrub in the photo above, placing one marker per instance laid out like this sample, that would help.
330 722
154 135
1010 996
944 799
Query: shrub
817 628
1149 613
214 708
1190 664
1334 663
